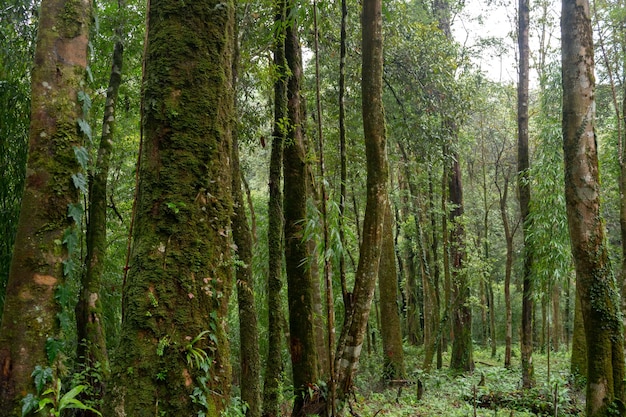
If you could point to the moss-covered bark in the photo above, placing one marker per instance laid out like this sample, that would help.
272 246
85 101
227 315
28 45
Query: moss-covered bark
461 358
173 357
595 284
250 360
273 368
352 335
302 343
391 330
92 347
37 265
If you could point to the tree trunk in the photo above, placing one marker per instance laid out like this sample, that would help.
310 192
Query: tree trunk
595 283
351 339
274 366
92 348
249 356
508 237
38 263
173 338
302 344
523 166
556 317
391 331
461 358
579 345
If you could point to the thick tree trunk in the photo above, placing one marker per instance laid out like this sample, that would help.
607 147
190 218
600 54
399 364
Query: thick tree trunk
391 331
523 166
37 267
302 344
173 337
273 367
351 339
595 283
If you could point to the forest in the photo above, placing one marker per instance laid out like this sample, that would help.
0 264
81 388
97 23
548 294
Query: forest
312 208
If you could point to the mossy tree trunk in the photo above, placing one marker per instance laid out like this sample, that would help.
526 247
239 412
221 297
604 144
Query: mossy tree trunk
595 284
302 343
351 339
391 329
523 184
579 345
37 267
273 369
250 358
461 358
173 344
92 349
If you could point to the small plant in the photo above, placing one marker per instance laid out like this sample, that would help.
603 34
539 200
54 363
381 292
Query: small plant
196 357
51 401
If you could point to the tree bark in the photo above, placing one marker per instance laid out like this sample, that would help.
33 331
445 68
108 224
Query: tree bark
37 266
302 344
91 335
273 369
523 166
249 356
595 283
351 339
173 338
391 331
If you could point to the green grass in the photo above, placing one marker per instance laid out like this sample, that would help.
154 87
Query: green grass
447 395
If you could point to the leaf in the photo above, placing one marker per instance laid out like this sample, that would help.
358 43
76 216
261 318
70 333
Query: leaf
82 156
85 128
29 403
75 212
70 240
80 182
53 347
84 98
41 376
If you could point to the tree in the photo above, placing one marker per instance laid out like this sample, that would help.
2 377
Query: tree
173 356
302 344
45 232
523 185
351 339
595 283
391 331
271 388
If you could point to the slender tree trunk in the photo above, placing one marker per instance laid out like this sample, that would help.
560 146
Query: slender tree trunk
461 358
249 356
37 266
302 343
579 344
92 349
556 317
508 237
595 282
351 339
523 166
342 150
391 331
173 335
271 387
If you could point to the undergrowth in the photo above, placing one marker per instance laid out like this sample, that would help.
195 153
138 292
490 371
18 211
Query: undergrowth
491 390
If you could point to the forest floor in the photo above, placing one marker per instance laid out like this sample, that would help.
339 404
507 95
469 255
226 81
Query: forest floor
489 391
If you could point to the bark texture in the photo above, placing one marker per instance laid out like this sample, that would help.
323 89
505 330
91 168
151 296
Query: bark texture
173 344
523 165
351 340
302 343
273 369
91 335
37 267
391 330
595 283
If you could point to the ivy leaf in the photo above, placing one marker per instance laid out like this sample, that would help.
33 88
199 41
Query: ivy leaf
63 295
53 347
84 98
41 376
82 156
85 128
75 212
70 239
29 403
80 182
